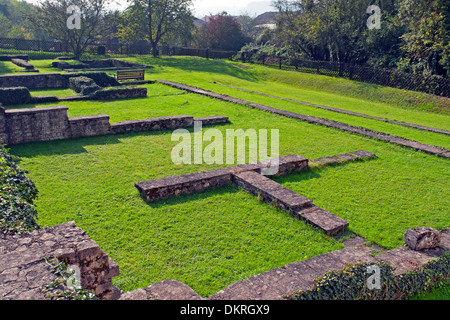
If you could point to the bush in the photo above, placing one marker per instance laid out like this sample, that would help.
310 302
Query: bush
84 85
120 93
350 283
100 78
17 192
101 50
13 96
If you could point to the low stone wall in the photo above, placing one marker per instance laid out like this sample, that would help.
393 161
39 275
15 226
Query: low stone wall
13 56
52 123
22 63
119 93
38 124
24 271
164 123
52 80
34 81
88 126
158 189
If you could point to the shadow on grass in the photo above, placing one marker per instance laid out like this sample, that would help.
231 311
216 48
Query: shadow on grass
185 198
6 67
74 146
195 64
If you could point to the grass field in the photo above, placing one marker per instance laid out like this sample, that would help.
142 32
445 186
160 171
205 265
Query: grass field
216 238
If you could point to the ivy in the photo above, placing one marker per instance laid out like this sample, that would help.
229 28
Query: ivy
350 283
57 289
17 193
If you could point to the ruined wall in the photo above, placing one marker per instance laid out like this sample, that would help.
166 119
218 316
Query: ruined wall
34 81
24 272
52 123
38 124
47 124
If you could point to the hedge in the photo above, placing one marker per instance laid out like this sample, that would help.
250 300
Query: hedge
17 193
350 283
84 85
119 93
12 96
101 78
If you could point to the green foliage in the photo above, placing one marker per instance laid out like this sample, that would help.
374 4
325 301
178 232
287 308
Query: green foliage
101 78
14 96
109 93
101 50
12 24
221 32
78 40
17 193
350 283
57 289
257 52
426 44
84 85
156 21
33 55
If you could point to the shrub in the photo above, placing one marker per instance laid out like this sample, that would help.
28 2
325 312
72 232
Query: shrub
12 96
101 50
350 283
120 93
17 192
100 78
84 85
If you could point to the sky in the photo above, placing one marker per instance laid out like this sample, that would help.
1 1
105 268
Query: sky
233 7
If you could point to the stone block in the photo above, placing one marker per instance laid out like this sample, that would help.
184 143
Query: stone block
270 192
323 219
422 238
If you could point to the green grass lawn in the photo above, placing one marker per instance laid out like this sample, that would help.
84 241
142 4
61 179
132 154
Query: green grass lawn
213 239
440 293
9 67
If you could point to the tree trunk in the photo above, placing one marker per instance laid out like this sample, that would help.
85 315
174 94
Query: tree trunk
155 50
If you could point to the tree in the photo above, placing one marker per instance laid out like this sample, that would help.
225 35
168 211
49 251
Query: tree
324 29
426 43
51 16
12 23
156 21
221 32
5 26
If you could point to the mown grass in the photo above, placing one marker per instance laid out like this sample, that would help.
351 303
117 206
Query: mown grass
212 239
440 293
8 67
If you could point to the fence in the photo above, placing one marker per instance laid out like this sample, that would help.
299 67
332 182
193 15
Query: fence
392 78
432 84
111 48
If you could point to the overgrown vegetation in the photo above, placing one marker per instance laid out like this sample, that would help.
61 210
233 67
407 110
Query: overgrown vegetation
17 193
58 288
351 283
84 85
17 95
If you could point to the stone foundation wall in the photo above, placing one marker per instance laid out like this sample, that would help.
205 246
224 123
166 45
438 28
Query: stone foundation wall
52 80
38 124
163 123
47 124
88 126
52 123
34 81
24 271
